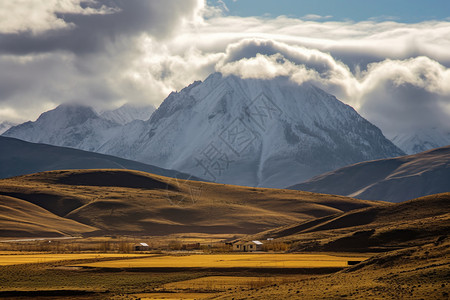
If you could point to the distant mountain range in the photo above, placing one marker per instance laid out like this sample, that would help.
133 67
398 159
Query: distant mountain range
252 132
394 179
18 157
77 126
422 140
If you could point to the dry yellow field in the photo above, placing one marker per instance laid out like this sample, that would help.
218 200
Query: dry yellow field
173 296
231 261
223 283
6 260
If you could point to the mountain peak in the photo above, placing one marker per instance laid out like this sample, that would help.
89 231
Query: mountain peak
266 132
70 125
68 114
128 113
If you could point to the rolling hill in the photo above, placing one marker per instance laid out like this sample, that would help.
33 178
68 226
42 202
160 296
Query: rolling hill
22 218
395 180
18 157
410 223
138 203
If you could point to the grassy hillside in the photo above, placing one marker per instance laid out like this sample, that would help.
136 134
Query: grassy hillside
395 180
406 224
413 273
22 218
132 202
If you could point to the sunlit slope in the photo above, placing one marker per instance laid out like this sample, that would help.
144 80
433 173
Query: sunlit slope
132 202
412 222
21 218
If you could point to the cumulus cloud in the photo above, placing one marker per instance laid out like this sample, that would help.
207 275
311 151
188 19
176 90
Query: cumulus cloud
396 95
82 51
111 52
39 16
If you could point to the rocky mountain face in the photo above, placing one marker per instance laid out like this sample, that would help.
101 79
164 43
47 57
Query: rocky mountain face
253 132
74 126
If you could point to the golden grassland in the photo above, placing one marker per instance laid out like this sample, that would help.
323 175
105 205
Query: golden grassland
174 296
225 283
413 273
233 261
204 243
102 202
109 206
15 259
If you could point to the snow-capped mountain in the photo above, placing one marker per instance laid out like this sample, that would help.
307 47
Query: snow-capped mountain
128 113
422 140
269 133
4 126
253 132
74 126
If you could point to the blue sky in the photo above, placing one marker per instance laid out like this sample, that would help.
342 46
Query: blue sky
407 11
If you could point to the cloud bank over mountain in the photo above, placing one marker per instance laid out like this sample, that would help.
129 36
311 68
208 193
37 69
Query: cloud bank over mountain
108 53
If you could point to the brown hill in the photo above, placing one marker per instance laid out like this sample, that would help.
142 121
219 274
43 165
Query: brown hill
22 218
133 202
405 224
395 180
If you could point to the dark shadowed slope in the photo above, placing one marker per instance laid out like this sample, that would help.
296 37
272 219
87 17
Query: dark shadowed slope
410 223
395 180
18 157
138 203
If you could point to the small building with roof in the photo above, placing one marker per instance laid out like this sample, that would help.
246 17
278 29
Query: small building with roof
141 247
248 246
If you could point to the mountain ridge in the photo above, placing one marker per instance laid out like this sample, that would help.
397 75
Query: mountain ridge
395 179
18 157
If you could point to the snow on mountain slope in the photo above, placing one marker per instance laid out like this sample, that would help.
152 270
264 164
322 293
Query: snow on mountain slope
253 132
4 126
74 126
422 140
268 133
128 113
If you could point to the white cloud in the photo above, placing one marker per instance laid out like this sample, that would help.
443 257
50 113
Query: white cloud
39 16
395 94
314 17
396 75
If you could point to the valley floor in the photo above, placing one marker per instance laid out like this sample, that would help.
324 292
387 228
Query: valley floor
412 273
